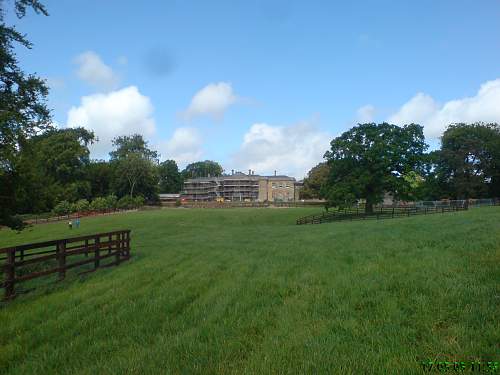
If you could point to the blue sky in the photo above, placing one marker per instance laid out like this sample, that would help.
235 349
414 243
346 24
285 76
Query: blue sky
263 84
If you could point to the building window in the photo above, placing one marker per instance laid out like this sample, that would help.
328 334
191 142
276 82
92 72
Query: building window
274 185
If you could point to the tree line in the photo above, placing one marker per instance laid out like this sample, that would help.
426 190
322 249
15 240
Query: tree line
43 167
371 160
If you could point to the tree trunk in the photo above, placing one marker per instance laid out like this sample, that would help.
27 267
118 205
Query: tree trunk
132 190
369 205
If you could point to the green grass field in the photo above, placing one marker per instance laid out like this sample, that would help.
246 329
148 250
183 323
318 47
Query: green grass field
245 291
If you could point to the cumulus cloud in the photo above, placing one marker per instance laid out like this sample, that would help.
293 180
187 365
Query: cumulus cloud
365 114
291 150
92 70
423 109
121 112
212 100
185 146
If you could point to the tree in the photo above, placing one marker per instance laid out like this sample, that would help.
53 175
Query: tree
100 175
369 160
315 180
469 160
202 169
170 177
133 144
23 111
51 167
135 167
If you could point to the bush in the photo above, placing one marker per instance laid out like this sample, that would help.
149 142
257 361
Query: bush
112 201
62 208
139 201
81 205
178 203
127 202
99 204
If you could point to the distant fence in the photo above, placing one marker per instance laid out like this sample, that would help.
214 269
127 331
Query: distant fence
52 257
381 212
44 218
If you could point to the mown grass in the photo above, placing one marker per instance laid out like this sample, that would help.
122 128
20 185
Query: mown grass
245 291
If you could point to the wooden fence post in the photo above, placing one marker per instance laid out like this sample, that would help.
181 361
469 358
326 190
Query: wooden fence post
128 244
119 247
86 248
10 273
110 238
61 257
97 254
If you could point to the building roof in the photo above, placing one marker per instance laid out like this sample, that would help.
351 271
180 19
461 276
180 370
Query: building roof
165 196
239 176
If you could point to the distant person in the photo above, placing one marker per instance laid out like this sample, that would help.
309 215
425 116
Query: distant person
70 224
77 223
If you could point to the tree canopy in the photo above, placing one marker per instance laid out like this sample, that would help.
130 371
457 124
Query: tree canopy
469 160
170 177
23 110
202 169
315 181
371 159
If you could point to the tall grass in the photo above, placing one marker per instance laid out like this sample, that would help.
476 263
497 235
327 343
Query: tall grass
245 291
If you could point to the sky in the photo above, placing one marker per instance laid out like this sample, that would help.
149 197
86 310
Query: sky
263 84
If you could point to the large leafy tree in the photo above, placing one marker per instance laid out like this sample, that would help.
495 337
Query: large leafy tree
170 177
51 167
315 180
23 111
135 167
369 160
202 169
100 175
469 160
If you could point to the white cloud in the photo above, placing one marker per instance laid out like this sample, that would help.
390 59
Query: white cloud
365 114
184 147
424 110
95 72
212 100
291 150
121 112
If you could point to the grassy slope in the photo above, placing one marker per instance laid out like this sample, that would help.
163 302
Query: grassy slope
246 291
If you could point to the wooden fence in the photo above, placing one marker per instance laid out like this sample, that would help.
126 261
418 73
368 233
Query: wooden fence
382 212
52 257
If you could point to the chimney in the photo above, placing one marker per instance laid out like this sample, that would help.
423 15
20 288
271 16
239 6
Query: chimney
275 172
249 172
232 172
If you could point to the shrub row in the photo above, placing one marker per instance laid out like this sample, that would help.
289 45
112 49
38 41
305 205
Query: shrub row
111 202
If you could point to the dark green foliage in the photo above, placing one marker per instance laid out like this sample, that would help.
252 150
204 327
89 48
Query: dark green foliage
134 167
100 175
128 202
170 177
369 160
202 169
315 180
62 208
469 160
23 111
52 167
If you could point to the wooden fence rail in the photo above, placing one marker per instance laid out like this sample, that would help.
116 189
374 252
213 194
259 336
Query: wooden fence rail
52 257
379 213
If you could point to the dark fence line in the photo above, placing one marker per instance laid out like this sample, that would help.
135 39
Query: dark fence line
35 219
379 213
53 256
